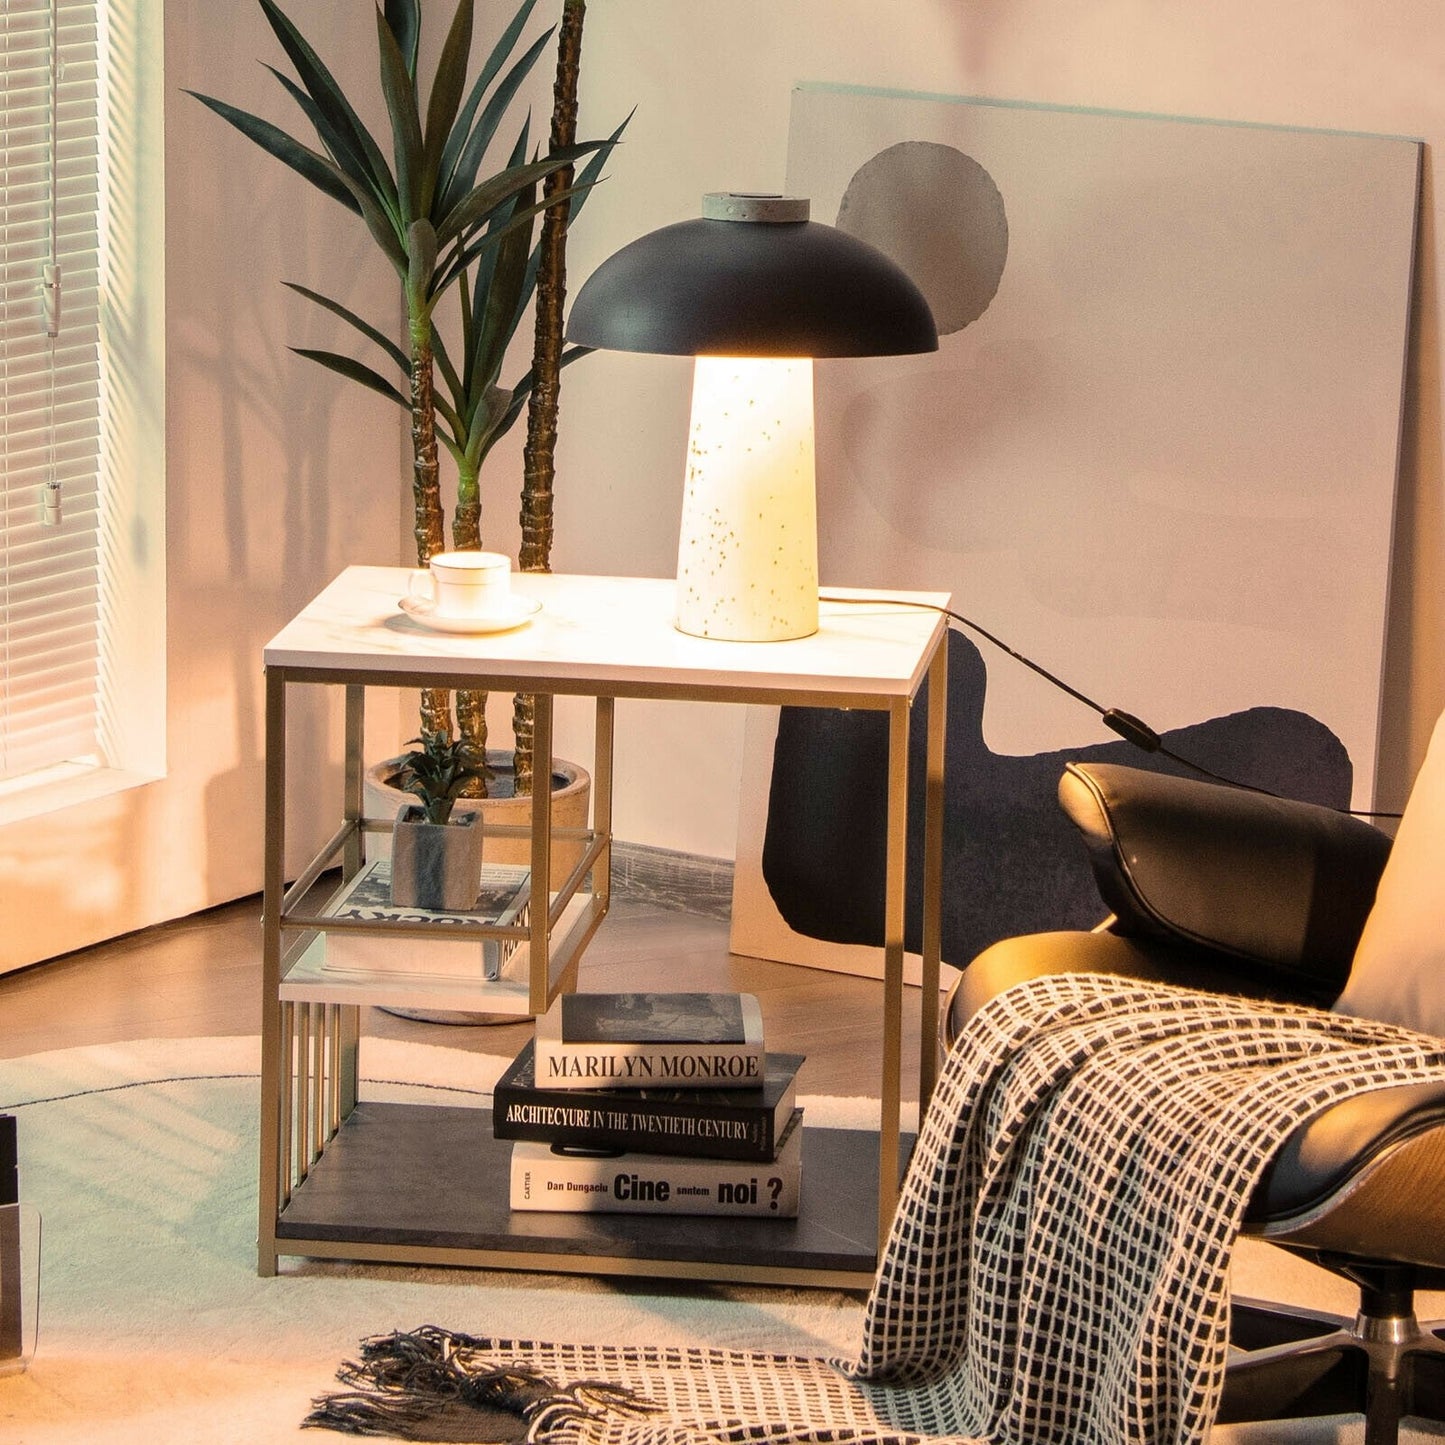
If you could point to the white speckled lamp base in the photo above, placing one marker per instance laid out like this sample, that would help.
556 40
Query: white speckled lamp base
747 564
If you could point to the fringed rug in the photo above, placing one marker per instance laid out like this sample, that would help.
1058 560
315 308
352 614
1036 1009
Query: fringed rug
1057 1270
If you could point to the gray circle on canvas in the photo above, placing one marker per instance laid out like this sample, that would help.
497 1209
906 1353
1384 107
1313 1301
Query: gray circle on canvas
938 213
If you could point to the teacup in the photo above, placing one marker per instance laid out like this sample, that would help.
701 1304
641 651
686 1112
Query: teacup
471 586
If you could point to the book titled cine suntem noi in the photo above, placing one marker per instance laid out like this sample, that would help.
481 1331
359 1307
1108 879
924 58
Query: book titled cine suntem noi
647 1040
546 1178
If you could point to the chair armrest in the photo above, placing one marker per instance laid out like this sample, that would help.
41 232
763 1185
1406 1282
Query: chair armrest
1283 884
1033 955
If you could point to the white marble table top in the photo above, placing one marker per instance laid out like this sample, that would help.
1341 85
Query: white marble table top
615 635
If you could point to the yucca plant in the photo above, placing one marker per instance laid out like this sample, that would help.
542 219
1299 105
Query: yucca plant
474 409
431 216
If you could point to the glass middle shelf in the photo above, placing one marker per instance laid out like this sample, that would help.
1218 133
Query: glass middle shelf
359 947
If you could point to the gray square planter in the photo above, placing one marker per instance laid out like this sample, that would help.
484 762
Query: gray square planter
436 865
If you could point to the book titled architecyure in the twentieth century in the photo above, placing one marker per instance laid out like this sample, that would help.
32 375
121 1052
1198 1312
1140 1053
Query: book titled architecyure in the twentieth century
743 1123
647 1040
544 1179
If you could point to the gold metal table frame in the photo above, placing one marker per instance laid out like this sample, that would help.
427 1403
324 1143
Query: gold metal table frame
420 1184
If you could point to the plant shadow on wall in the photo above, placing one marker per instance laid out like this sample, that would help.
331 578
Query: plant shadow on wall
244 550
442 225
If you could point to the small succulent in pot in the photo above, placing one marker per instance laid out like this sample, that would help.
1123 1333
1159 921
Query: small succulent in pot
439 771
436 858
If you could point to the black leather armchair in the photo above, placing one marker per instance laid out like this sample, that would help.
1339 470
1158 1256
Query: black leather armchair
1223 889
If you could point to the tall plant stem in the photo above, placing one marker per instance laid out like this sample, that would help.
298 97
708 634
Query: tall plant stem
539 454
467 518
467 537
436 706
472 725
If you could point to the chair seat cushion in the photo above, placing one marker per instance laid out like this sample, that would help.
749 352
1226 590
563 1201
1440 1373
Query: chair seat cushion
1325 1153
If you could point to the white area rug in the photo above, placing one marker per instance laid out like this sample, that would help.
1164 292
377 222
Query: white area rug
154 1327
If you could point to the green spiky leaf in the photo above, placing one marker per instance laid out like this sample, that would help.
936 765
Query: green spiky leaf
401 107
322 87
355 371
496 323
474 303
379 222
461 174
371 333
506 43
497 190
448 369
337 144
403 17
446 95
322 173
464 255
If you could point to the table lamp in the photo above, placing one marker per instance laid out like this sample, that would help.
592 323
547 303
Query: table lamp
754 291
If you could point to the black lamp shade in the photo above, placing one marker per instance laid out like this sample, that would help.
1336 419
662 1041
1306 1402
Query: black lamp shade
752 288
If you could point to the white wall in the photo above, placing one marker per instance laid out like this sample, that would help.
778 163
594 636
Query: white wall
711 81
277 476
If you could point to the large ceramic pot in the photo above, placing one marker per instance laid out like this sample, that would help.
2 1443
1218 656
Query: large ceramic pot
571 802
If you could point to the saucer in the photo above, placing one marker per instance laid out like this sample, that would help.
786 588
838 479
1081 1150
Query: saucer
519 610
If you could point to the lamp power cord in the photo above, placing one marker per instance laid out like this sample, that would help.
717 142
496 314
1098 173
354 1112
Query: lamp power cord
1132 729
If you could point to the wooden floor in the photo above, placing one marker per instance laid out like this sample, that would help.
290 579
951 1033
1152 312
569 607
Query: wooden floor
201 976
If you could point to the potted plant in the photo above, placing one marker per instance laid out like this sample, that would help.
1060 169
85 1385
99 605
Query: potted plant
474 409
486 250
436 848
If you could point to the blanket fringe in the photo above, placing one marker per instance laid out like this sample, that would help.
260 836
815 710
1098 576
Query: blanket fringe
424 1384
1025 1199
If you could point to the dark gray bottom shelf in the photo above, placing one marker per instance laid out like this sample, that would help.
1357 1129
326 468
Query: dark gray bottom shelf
415 1176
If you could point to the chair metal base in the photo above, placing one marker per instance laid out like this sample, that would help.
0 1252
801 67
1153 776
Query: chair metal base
1288 1363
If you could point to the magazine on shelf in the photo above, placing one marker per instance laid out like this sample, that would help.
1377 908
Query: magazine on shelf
502 898
741 1123
583 1183
643 1040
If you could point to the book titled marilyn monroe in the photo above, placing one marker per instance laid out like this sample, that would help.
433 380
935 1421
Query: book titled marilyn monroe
650 1040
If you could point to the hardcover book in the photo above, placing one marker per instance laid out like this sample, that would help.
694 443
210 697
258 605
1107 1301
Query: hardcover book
544 1179
646 1040
741 1123
502 898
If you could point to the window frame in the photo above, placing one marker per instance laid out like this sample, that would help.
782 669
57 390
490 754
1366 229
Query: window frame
130 724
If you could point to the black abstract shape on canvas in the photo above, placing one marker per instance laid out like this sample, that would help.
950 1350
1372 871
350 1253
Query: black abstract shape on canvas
1012 862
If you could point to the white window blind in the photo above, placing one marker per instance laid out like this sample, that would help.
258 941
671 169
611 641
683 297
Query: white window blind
50 388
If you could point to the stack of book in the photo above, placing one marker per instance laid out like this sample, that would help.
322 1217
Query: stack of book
652 1103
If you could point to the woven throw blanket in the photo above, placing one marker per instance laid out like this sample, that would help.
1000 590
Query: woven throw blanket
1057 1270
